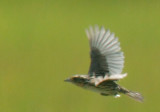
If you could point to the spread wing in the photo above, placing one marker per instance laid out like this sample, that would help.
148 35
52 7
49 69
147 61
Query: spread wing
106 54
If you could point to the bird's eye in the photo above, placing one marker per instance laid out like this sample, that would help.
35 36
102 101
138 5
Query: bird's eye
78 79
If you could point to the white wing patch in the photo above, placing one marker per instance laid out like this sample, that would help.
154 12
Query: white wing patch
100 79
108 46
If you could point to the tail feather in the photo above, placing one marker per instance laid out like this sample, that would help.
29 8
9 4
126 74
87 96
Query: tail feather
135 95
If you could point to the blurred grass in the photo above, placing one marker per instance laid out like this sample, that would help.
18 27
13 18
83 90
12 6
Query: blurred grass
43 42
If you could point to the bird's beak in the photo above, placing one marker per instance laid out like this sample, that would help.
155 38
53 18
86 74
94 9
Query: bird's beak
67 80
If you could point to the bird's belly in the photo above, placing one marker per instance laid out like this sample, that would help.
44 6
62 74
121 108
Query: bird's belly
109 91
94 89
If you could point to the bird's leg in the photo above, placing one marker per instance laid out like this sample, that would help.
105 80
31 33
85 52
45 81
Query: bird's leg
117 96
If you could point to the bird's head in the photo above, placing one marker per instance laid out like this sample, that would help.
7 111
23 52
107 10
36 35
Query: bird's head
79 80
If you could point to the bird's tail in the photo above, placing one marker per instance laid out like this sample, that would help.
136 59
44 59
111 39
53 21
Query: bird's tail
135 95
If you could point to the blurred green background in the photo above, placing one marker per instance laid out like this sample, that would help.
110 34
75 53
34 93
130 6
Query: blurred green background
42 42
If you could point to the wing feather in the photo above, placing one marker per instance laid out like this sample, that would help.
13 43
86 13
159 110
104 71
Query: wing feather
106 54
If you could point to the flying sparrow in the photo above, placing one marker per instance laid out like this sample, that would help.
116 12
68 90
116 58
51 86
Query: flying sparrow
107 61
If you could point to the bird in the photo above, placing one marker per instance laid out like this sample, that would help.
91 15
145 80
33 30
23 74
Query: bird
107 62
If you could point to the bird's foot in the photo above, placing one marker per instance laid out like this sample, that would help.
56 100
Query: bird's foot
117 96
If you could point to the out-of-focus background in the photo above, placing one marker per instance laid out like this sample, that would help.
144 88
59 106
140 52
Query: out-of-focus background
42 42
